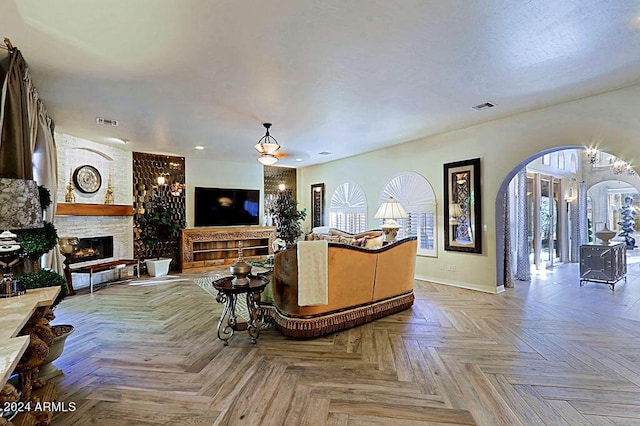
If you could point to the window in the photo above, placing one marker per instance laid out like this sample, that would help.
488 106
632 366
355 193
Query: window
561 160
417 197
348 209
546 160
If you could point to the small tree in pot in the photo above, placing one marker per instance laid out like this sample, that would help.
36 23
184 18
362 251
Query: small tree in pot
287 217
159 232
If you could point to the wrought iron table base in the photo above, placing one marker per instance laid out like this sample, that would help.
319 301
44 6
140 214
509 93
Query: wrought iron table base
228 295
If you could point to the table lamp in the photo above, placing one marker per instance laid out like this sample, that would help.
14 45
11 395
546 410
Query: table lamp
389 211
19 209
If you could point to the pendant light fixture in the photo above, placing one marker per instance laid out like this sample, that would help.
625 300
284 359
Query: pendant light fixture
267 159
267 146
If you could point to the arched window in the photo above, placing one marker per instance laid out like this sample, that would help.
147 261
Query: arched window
348 208
417 197
561 160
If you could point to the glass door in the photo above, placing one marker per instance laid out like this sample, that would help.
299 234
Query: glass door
543 199
546 221
532 219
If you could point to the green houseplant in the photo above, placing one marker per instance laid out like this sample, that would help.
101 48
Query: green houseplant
159 232
287 217
36 242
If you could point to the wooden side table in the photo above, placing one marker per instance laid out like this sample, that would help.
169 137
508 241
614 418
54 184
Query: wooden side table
228 294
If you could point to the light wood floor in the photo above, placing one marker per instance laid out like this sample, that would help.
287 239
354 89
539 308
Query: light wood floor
548 352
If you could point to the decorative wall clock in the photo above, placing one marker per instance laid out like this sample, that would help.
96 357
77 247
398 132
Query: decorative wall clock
87 179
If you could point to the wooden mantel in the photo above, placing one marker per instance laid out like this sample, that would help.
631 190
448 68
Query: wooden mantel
71 209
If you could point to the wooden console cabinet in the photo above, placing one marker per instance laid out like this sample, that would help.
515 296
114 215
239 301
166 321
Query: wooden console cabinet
203 249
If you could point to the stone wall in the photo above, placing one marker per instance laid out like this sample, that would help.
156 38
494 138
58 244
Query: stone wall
116 167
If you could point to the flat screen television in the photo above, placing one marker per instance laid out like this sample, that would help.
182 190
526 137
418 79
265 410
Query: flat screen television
226 207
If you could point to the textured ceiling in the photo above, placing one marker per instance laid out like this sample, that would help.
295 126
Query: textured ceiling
341 76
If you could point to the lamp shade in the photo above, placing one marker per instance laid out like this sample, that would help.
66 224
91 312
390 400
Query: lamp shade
267 159
19 204
391 209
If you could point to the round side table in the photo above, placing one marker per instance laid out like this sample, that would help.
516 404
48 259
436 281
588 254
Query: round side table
228 295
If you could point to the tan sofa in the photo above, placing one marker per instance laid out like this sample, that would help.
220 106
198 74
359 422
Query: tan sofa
363 285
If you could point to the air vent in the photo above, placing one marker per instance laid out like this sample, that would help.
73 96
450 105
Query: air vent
106 122
324 153
483 106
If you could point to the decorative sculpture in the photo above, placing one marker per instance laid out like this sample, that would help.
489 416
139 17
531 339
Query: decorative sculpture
108 197
627 223
41 337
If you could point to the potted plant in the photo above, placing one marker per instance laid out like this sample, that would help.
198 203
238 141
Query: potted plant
157 229
39 241
287 217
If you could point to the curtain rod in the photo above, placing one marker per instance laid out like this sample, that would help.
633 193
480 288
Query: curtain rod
8 45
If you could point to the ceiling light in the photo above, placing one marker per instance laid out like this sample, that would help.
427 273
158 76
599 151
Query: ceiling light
267 159
593 156
298 159
267 144
198 147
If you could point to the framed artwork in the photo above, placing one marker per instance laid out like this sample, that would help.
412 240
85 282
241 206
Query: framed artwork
317 205
462 206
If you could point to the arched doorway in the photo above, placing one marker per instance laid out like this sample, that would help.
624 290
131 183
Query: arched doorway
555 211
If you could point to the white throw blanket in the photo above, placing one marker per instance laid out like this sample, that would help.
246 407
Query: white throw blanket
313 277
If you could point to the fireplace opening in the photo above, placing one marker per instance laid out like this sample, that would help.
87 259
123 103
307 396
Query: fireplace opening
93 248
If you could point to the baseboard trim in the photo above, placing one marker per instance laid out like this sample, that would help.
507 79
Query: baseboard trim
459 284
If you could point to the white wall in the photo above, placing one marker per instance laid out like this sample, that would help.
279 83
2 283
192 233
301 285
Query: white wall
502 145
205 171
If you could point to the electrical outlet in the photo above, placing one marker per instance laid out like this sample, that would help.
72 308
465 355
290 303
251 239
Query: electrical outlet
453 268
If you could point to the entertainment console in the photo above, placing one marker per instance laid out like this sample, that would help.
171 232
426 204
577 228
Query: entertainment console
202 249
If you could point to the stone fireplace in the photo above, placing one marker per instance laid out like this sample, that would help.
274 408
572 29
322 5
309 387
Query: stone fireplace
88 216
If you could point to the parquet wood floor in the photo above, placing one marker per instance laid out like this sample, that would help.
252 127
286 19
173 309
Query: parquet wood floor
548 352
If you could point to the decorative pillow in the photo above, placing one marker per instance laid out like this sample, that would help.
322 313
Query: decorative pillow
374 243
347 240
359 242
329 237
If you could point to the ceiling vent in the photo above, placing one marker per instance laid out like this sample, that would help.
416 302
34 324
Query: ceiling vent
484 106
106 122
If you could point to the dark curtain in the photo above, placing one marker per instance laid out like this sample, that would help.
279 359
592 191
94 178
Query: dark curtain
15 146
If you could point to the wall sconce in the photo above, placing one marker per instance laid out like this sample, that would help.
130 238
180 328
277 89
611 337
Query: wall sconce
162 180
